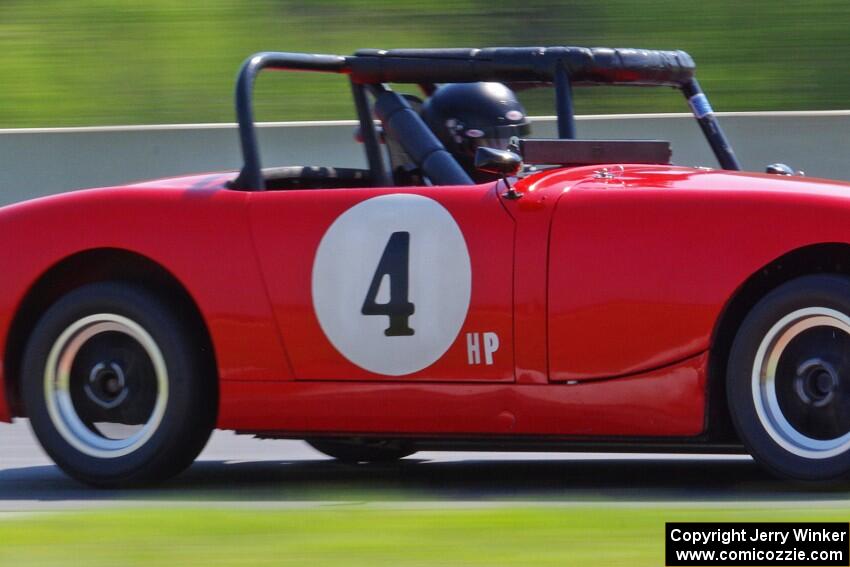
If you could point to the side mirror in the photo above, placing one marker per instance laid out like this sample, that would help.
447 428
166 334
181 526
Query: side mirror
500 162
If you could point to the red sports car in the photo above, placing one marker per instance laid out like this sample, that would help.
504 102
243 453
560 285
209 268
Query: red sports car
596 298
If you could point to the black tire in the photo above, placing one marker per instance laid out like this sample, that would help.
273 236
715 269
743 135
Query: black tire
132 363
362 450
788 379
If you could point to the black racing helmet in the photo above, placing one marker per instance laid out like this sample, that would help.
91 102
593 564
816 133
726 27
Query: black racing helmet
466 116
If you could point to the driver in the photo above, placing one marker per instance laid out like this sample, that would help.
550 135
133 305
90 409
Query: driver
466 116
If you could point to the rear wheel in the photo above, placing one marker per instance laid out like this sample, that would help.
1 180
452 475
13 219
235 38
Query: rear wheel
788 380
357 450
115 388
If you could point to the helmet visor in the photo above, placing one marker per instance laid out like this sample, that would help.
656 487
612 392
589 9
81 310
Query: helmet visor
497 137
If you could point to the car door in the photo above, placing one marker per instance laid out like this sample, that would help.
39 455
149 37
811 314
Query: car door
410 284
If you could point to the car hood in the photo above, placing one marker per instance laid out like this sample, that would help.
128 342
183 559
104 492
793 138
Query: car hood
640 177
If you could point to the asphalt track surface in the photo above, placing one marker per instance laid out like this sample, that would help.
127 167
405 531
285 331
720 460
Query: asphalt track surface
242 471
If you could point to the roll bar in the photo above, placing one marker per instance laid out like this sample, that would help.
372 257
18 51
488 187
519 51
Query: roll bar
564 67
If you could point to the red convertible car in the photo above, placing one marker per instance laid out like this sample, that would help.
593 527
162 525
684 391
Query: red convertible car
596 298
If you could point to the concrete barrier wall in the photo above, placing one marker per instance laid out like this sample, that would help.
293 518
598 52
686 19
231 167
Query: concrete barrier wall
35 162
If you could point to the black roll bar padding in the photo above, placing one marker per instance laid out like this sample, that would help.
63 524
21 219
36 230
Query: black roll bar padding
404 125
710 126
517 64
251 175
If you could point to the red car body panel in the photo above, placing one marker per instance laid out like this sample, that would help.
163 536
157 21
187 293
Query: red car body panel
605 293
664 403
209 251
641 266
280 217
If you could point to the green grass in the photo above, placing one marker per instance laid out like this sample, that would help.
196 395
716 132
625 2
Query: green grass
366 536
86 62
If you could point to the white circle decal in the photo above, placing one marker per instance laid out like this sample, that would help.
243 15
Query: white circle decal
392 282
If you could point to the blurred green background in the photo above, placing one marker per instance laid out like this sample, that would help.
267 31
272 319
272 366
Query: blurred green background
93 62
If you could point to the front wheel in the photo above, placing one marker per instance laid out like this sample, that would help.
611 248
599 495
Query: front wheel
116 388
788 379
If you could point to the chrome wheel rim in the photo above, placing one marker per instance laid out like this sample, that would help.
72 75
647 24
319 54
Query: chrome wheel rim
106 366
800 382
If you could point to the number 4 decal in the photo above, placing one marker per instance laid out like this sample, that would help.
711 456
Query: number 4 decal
374 262
394 264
